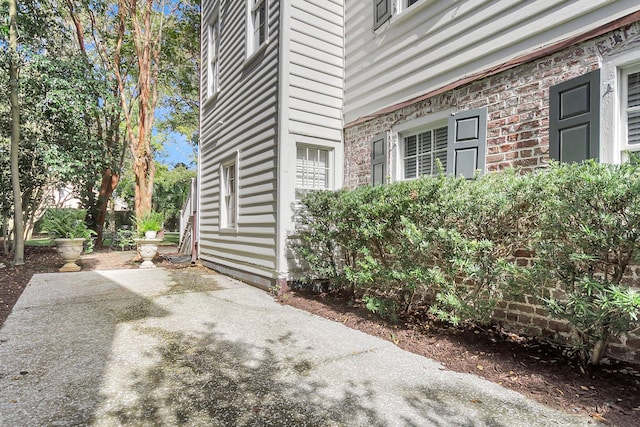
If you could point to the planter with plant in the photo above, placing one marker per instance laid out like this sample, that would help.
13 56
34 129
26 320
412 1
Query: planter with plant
70 232
149 224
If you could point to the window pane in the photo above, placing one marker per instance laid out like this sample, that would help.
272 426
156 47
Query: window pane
633 128
410 146
229 196
424 142
312 168
633 88
441 138
440 149
410 168
213 67
421 151
425 164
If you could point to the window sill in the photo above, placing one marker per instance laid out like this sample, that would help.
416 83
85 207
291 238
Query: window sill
229 230
211 98
404 14
258 53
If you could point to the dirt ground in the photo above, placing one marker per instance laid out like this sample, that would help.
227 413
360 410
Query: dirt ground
610 395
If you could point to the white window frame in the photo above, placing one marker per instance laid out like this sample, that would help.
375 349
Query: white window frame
417 155
254 23
402 5
229 194
329 169
213 56
413 127
625 110
613 113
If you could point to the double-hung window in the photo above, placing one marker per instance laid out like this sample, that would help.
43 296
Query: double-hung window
383 10
313 167
229 194
630 110
447 141
257 28
422 150
213 57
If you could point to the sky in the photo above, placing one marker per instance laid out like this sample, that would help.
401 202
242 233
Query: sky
176 150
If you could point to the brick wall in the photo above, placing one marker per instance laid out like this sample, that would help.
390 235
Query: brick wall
517 102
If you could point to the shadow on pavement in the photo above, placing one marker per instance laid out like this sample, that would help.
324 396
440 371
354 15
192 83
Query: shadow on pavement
207 380
56 345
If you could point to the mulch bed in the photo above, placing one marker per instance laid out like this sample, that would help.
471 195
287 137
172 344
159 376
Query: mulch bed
610 395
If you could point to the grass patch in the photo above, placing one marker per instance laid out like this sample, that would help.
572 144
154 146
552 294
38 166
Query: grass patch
44 241
171 238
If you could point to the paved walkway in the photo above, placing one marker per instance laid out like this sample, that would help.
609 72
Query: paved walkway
170 347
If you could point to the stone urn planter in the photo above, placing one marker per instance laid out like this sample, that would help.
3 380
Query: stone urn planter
147 249
70 250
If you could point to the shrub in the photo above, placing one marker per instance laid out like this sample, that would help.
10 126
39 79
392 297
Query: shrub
589 232
464 249
452 243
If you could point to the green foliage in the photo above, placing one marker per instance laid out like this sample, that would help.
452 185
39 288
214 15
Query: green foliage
125 239
67 224
149 221
445 239
589 233
386 308
451 244
170 190
69 111
180 79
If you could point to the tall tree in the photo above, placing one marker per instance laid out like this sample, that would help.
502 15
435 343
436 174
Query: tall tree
18 255
144 21
106 117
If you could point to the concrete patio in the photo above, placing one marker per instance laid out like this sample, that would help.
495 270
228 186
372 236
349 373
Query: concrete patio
170 347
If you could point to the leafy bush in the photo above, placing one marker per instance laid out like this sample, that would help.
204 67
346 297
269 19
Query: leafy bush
386 308
451 244
589 233
67 224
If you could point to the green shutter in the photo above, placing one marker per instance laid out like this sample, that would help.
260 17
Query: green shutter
381 12
574 119
467 142
379 159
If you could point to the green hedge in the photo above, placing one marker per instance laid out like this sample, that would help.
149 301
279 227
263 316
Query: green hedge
450 244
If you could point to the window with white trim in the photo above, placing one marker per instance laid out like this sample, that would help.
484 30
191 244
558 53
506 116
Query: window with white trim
213 57
229 194
630 109
421 151
408 3
383 10
257 29
313 169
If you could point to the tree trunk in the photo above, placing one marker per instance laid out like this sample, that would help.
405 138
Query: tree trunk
18 255
147 40
108 184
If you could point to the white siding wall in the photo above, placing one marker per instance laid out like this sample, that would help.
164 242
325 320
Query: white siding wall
313 86
242 119
316 70
436 42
